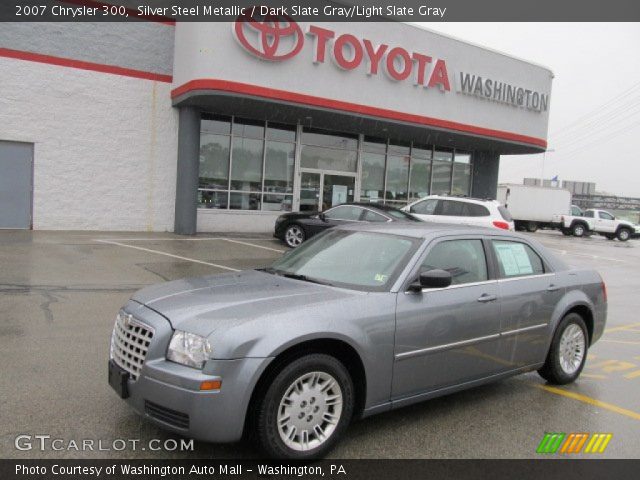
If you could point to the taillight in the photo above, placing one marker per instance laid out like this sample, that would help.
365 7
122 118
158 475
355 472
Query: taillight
502 225
604 291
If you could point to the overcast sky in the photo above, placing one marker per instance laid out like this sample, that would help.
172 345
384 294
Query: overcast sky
595 102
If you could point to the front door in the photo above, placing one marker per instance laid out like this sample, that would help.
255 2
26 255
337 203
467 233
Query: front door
321 190
448 336
605 222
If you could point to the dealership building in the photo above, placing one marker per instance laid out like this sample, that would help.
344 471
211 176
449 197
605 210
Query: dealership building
200 127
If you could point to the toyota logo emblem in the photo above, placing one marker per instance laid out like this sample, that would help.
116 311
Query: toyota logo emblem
274 37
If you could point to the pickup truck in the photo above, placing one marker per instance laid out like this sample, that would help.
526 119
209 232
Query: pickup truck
575 224
608 226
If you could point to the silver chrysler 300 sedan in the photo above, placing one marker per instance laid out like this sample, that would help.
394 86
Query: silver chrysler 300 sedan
357 321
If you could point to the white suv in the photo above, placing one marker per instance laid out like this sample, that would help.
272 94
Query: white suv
464 210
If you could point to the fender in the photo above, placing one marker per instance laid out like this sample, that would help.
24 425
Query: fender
571 299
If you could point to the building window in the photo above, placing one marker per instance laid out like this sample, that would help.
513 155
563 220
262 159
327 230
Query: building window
323 150
397 186
441 176
249 165
245 164
461 173
420 177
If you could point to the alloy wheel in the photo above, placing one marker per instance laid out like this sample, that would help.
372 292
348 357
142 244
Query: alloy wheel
572 348
294 236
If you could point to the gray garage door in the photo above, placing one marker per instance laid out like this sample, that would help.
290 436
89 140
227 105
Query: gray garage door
16 180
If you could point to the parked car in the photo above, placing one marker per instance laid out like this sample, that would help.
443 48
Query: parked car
462 210
294 228
610 227
575 223
359 320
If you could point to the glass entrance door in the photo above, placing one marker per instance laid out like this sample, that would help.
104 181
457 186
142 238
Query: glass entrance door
323 190
337 189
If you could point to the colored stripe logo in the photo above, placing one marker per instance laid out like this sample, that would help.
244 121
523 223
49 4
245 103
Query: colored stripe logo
556 442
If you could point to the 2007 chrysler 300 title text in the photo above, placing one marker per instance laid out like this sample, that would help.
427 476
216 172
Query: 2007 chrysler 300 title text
358 320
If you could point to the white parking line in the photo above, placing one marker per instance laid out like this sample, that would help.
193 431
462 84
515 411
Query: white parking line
158 252
252 245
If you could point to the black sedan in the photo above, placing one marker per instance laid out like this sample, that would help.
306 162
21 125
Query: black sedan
295 228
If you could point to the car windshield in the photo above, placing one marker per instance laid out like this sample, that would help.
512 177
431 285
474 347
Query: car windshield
358 260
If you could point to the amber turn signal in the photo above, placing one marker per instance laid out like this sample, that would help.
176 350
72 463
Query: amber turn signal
211 385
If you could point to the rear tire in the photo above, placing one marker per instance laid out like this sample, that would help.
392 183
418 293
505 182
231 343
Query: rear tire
532 227
568 351
306 408
623 234
578 230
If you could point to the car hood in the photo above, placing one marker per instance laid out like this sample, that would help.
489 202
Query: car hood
203 304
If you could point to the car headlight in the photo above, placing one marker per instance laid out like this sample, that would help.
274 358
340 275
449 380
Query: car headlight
188 349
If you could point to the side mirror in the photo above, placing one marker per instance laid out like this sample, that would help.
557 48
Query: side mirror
432 279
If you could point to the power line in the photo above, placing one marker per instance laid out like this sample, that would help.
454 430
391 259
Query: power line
597 110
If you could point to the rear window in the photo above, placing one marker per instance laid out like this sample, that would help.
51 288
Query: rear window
505 214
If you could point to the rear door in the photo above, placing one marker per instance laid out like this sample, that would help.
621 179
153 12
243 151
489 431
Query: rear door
448 336
529 292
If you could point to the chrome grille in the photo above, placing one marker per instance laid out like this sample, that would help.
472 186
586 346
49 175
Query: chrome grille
129 343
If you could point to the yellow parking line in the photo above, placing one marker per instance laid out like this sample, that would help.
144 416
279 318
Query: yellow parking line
592 375
591 401
623 327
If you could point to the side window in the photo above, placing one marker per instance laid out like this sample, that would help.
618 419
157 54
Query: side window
606 216
345 212
517 259
464 259
474 210
452 208
370 216
588 213
575 211
426 207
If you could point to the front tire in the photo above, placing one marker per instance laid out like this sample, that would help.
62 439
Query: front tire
294 235
623 234
568 352
306 408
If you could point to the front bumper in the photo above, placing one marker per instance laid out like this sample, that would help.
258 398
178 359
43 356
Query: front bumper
168 394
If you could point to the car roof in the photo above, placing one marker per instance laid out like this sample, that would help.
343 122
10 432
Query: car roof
427 229
461 198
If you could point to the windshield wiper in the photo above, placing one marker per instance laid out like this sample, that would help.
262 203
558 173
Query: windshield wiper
304 278
295 276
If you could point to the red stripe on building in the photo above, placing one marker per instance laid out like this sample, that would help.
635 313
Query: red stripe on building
274 94
131 12
82 65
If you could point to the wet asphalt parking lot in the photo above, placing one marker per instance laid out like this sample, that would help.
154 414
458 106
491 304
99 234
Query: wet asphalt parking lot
60 292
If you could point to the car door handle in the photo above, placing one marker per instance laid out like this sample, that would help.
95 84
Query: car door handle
487 298
552 288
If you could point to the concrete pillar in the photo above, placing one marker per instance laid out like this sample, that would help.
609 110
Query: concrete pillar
485 174
188 169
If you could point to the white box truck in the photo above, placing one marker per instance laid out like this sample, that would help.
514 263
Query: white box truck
534 207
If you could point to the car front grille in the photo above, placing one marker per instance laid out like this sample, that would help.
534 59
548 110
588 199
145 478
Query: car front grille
167 415
129 343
